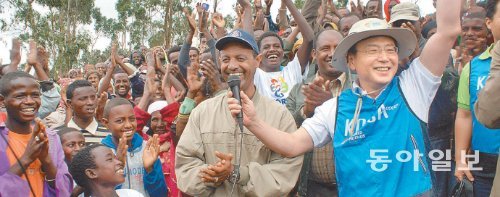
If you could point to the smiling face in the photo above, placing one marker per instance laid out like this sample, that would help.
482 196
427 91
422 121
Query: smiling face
272 53
121 121
158 125
239 59
122 84
326 44
473 31
23 100
375 70
83 102
109 170
136 59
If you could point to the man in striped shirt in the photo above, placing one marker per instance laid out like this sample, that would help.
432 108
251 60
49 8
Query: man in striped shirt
82 99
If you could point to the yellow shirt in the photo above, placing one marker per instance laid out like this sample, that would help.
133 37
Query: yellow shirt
18 142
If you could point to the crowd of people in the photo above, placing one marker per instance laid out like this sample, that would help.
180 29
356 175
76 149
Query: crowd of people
375 100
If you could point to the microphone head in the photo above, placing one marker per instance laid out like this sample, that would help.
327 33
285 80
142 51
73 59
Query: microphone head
234 80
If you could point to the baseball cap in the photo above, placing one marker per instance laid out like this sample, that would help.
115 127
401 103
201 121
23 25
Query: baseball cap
405 11
239 36
406 40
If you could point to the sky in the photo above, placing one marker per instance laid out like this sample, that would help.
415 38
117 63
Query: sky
108 9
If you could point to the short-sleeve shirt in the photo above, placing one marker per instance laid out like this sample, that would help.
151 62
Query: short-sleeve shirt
463 97
277 85
417 83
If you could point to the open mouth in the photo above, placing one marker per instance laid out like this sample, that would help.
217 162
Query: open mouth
90 110
120 171
382 69
28 111
128 133
272 57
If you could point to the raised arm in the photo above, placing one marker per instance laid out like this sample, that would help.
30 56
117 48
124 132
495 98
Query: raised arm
435 54
307 34
247 16
283 23
106 81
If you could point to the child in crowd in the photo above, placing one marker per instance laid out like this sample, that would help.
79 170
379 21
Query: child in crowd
72 142
97 169
143 171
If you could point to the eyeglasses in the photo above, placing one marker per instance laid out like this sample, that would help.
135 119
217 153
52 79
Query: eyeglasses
376 51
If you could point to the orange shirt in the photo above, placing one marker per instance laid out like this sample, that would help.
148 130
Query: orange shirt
3 117
18 142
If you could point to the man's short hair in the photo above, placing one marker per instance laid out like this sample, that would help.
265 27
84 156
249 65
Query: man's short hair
8 78
347 16
82 161
491 8
316 36
171 50
63 130
269 34
113 103
75 85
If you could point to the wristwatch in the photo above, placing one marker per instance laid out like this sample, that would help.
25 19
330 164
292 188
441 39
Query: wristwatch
234 177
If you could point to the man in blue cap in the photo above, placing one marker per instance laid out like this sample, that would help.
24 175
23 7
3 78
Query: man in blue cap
377 127
204 155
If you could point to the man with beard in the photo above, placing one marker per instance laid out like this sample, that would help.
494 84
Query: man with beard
273 81
82 99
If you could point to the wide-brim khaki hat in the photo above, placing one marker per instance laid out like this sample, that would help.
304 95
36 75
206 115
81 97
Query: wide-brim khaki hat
366 28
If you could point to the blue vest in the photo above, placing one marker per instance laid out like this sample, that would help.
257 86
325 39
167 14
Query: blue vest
483 139
386 124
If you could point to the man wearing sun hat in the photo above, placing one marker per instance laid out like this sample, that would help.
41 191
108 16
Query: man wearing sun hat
379 140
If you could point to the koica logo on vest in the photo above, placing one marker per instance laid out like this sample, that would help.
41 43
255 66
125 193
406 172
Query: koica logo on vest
381 114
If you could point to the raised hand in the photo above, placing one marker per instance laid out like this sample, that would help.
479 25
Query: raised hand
121 150
150 153
257 4
269 3
194 81
42 136
33 54
249 114
35 147
410 26
199 8
357 9
213 75
244 3
15 52
218 20
219 172
316 94
191 21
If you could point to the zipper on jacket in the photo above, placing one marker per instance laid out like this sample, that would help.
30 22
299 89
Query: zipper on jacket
415 146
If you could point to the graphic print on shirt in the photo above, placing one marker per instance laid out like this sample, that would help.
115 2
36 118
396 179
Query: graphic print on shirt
279 87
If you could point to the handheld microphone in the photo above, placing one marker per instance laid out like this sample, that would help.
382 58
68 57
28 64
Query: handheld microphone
234 84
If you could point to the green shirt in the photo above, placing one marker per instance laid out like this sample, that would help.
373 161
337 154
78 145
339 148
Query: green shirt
463 97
